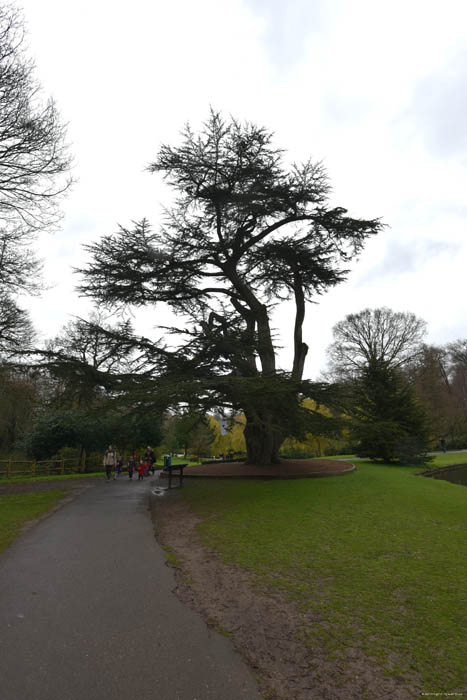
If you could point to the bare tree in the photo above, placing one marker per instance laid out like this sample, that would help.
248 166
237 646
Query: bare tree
374 336
34 162
457 354
16 329
33 152
20 271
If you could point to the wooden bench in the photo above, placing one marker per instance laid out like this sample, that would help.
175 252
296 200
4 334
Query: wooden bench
175 467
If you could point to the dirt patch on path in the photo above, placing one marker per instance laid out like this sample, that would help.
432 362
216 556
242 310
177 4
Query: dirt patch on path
263 628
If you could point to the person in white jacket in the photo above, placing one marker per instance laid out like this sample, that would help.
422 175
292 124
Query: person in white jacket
110 461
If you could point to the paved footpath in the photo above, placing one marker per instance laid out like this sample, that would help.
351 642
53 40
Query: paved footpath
87 612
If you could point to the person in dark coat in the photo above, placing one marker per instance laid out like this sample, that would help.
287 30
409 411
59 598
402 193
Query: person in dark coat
150 458
118 467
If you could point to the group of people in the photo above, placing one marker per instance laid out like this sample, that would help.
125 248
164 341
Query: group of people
113 463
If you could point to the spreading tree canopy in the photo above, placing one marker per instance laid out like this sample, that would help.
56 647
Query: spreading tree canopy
244 234
83 357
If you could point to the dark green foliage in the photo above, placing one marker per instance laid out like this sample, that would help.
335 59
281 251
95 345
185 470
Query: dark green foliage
135 430
18 398
387 422
194 434
53 431
189 432
90 431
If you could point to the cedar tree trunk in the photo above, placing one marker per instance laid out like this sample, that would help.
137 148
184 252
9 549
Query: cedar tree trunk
262 438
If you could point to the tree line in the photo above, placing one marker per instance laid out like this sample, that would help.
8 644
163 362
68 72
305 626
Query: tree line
407 396
395 397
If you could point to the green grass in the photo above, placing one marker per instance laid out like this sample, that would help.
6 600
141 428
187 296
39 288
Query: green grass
17 509
440 460
378 557
349 457
28 479
176 460
171 557
444 460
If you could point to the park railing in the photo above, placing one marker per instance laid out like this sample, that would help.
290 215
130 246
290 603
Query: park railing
11 468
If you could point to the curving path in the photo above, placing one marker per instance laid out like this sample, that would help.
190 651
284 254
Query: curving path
87 612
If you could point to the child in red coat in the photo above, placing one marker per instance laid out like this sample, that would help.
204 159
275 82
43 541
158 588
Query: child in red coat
141 468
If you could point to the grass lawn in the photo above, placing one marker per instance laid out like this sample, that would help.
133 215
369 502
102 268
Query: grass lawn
444 460
17 509
440 460
378 556
176 460
336 457
55 477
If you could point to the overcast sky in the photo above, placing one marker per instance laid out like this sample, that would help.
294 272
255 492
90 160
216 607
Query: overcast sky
375 89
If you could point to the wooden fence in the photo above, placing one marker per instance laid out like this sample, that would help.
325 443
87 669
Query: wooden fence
11 468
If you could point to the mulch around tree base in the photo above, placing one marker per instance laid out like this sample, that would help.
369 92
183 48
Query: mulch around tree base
287 469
